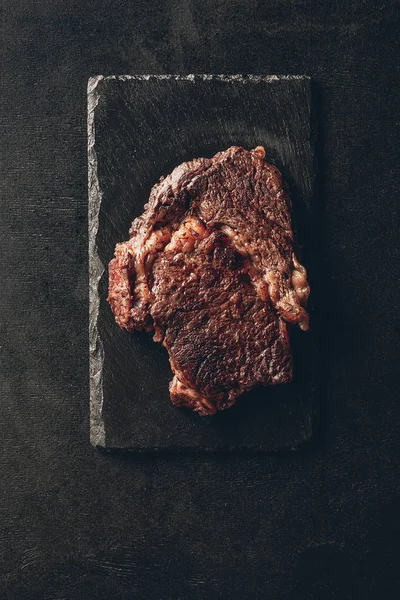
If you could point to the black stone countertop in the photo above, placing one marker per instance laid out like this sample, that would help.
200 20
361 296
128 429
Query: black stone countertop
75 523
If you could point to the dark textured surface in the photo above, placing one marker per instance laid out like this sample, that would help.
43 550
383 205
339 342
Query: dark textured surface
78 524
139 129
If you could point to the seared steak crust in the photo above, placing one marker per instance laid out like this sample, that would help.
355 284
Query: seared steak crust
210 268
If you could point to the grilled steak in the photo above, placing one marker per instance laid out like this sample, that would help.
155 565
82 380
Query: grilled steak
210 269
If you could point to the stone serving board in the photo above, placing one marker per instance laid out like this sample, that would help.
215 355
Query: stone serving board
139 128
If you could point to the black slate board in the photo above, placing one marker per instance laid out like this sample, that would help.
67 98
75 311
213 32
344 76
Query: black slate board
139 128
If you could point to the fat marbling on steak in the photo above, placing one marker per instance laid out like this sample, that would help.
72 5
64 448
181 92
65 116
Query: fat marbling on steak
210 269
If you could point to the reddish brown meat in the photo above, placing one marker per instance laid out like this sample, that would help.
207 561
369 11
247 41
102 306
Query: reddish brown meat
210 268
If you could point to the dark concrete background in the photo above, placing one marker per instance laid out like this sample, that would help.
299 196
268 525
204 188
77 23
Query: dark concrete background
75 524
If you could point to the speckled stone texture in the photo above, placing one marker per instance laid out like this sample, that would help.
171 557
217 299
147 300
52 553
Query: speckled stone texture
139 129
77 524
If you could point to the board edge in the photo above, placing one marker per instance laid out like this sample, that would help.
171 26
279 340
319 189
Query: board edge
96 270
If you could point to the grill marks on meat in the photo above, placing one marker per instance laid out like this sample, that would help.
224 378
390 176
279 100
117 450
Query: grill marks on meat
210 268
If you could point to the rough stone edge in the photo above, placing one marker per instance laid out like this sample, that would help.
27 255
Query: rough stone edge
244 78
96 270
